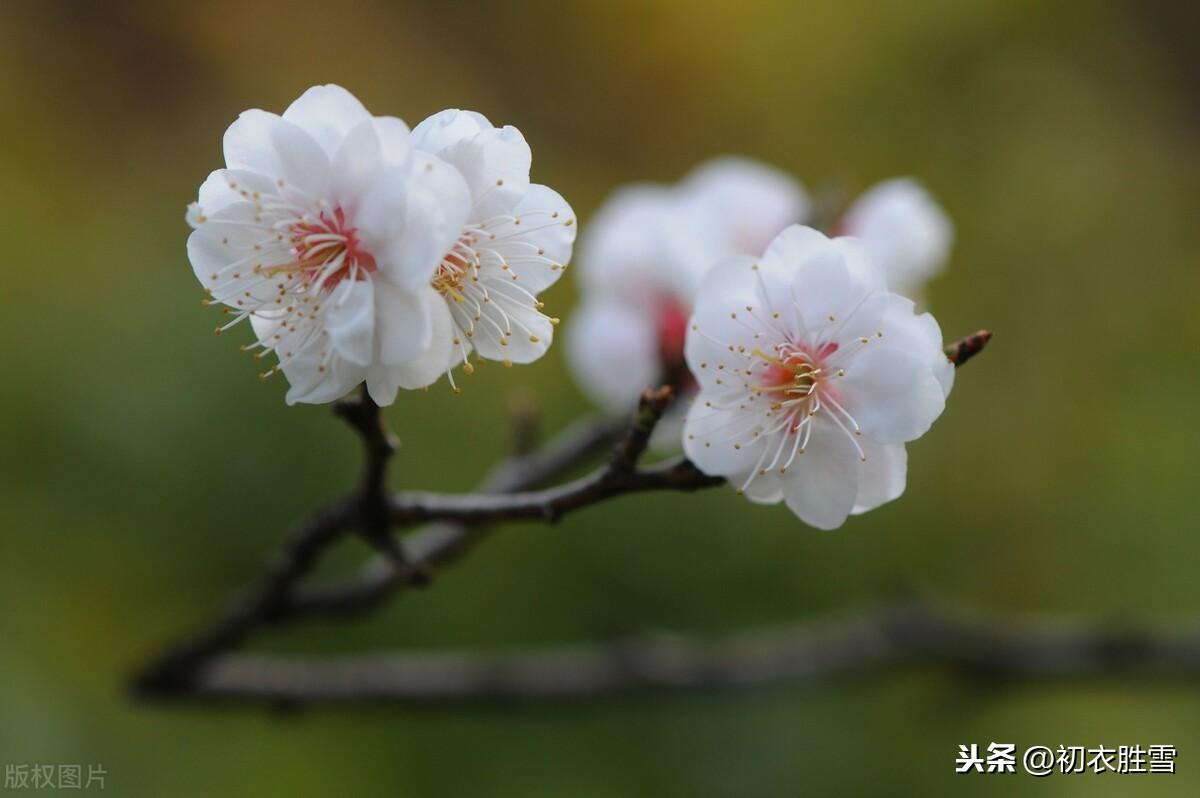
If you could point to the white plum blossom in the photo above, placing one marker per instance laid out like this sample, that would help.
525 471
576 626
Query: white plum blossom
812 378
514 243
642 257
325 230
905 231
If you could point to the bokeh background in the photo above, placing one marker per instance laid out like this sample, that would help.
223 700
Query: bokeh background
146 470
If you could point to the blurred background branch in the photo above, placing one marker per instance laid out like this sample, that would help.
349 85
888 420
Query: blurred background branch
888 637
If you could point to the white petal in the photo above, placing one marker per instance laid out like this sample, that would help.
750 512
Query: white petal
495 163
356 165
261 142
511 318
720 440
882 477
316 375
446 128
905 230
536 243
748 201
410 221
613 353
327 113
630 247
216 194
350 320
220 253
394 140
822 484
383 380
891 393
405 321
722 331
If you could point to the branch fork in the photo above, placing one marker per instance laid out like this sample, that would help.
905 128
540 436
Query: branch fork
206 664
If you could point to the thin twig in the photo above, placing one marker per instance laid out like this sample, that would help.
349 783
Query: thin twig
889 637
437 545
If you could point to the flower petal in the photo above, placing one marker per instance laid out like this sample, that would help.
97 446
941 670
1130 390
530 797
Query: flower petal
822 484
535 244
508 325
495 163
749 202
405 321
383 380
327 113
891 393
905 231
261 142
613 352
881 477
410 221
447 128
350 320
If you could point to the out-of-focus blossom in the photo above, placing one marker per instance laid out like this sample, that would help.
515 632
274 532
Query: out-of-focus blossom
906 232
641 259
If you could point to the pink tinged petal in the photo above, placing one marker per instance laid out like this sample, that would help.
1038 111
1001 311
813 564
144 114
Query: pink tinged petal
350 320
447 128
821 485
327 113
383 379
410 221
405 321
536 244
892 394
261 142
882 477
613 353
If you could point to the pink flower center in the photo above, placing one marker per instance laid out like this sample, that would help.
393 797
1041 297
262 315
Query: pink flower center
328 250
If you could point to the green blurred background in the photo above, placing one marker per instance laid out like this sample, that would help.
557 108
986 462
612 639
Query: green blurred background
147 471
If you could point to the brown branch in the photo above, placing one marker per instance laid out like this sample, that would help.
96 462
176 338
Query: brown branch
188 667
888 637
268 602
440 544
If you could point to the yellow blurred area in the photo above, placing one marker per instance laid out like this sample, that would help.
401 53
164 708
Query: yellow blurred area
147 470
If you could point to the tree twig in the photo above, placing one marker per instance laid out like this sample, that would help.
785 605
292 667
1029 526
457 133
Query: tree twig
202 665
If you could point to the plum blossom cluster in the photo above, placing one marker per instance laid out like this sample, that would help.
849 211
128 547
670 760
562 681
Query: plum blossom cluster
645 253
710 286
362 251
